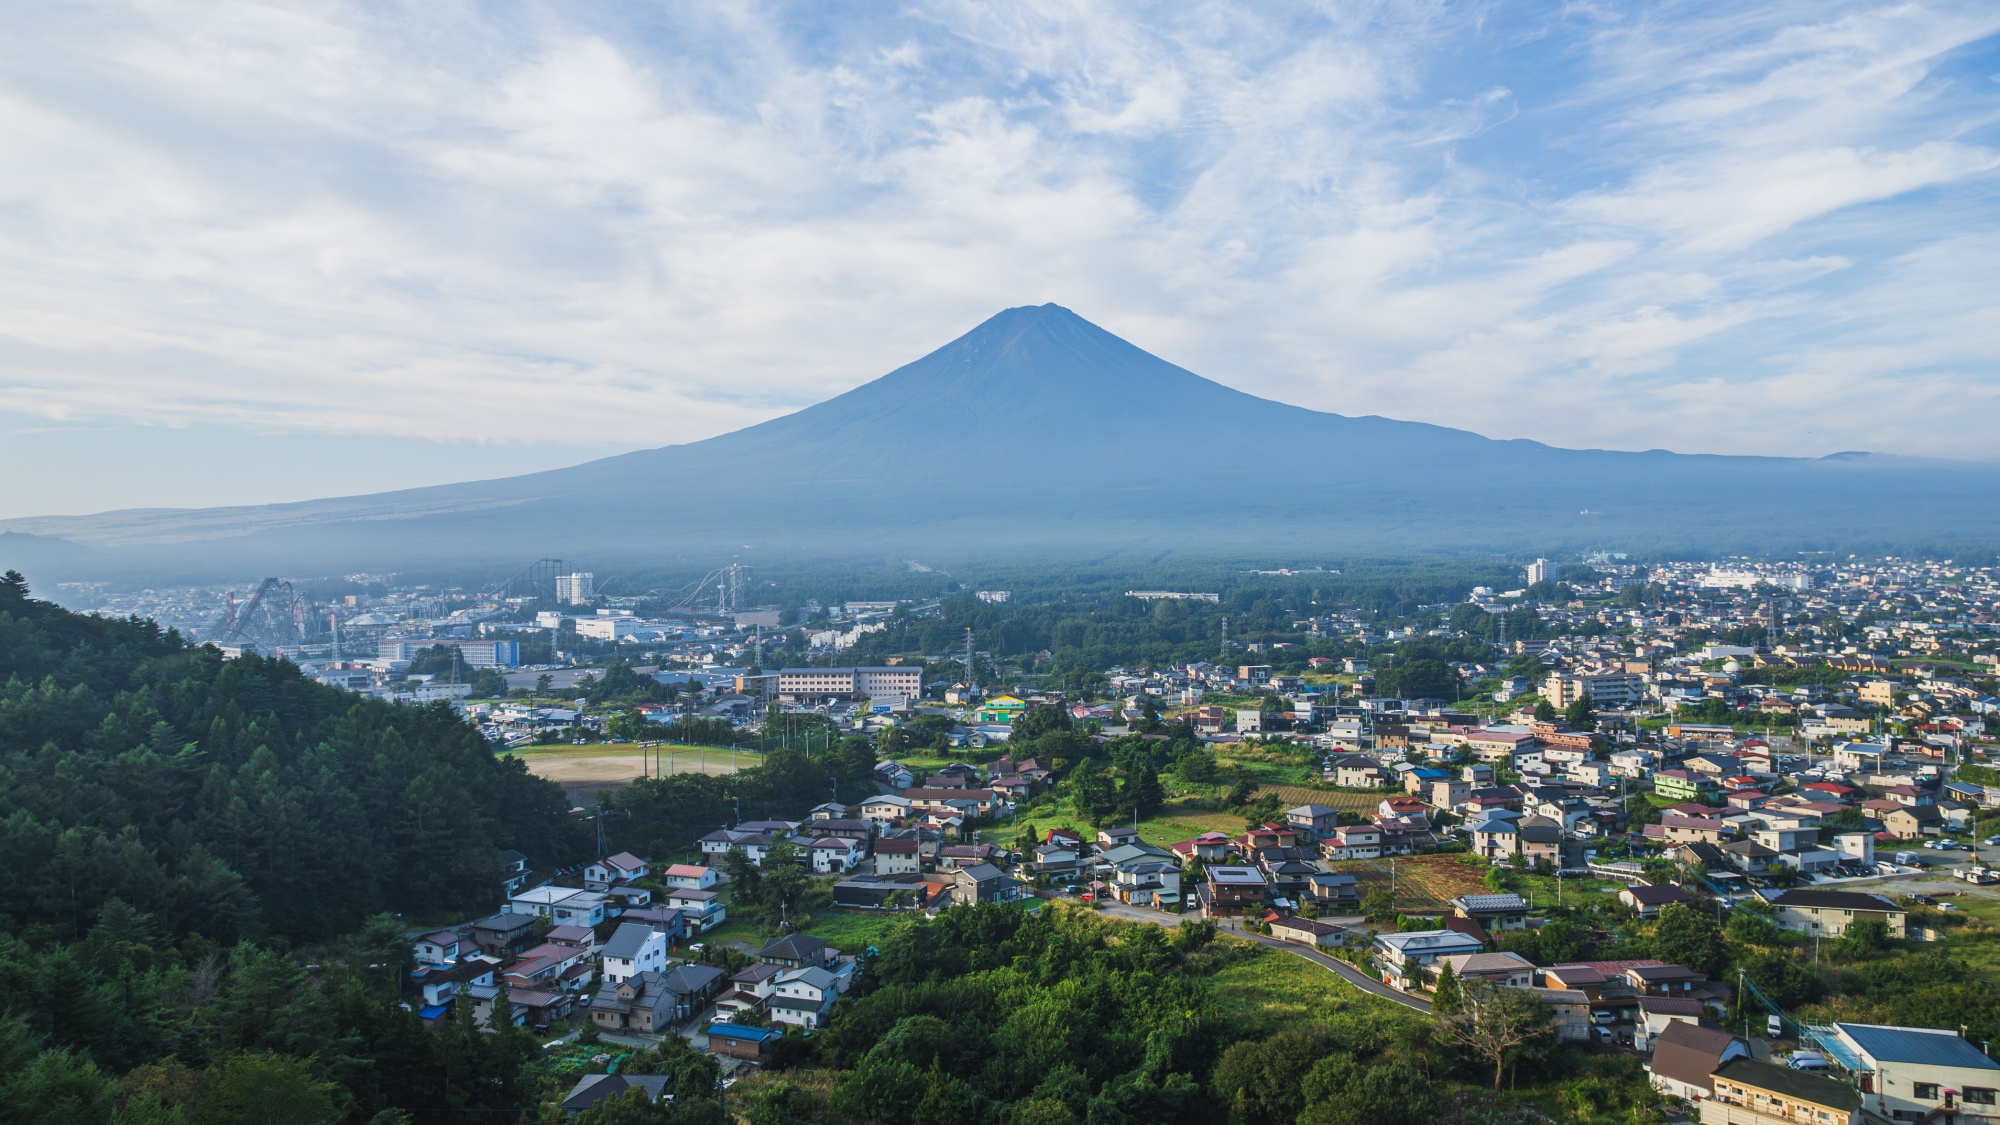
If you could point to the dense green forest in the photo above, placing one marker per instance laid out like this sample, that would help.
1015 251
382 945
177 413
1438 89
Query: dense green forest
199 855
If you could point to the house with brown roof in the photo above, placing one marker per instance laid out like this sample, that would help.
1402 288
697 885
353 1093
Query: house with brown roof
1687 1055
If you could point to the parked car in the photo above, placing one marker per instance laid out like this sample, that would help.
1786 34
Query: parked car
1809 1061
1603 1034
1603 1015
1774 1027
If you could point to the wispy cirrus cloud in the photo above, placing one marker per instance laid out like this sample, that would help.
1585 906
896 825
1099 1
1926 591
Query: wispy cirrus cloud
624 225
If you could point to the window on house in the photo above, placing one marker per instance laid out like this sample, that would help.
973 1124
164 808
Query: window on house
1974 1095
1925 1091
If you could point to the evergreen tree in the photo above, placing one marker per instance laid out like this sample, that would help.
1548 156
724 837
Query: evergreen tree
1446 997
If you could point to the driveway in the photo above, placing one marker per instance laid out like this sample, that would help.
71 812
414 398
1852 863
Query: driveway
1339 968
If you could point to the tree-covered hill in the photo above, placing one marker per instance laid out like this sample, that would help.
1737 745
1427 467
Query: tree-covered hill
234 798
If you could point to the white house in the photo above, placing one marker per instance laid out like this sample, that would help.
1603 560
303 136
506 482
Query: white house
886 809
634 949
439 948
804 997
565 906
704 910
611 870
1918 1071
1402 956
691 877
832 855
898 857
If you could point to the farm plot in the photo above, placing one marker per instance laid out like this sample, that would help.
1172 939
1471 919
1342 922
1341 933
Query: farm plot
1296 795
1424 883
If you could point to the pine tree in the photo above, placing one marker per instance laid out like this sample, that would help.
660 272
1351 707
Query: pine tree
1446 997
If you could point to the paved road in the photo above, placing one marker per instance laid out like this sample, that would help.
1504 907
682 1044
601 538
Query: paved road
1342 969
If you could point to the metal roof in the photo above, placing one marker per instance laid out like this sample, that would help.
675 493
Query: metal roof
1924 1045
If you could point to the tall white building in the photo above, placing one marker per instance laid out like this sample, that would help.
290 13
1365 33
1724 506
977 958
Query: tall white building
575 589
1542 570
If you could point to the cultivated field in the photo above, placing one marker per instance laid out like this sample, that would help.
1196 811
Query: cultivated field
1423 882
1295 795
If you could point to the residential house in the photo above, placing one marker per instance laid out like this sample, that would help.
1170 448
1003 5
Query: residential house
1306 931
1116 836
650 1003
1402 956
1495 837
1747 1091
1353 841
1685 785
1540 841
1450 793
1920 1073
835 855
893 774
797 951
1314 822
1687 1055
804 997
1910 822
898 856
615 870
504 935
634 949
982 882
513 871
1509 969
439 947
1148 882
889 808
704 910
1688 829
1336 893
749 1044
754 845
1829 913
1656 1012
1233 892
1209 847
565 906
593 1089
1493 912
1649 901
749 991
1356 771
689 876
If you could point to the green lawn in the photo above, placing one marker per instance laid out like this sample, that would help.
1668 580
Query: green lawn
1276 990
853 931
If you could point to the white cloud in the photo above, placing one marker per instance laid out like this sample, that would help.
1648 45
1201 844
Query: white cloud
532 223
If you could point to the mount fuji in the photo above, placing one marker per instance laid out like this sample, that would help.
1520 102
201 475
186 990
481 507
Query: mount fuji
1040 432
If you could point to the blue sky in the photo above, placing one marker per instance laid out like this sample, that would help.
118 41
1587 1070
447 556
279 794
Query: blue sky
257 252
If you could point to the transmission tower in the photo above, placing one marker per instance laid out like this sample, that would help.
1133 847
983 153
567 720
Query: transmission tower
1225 639
971 680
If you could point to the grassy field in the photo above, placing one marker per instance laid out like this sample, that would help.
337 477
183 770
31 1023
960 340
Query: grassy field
1276 990
1171 824
853 931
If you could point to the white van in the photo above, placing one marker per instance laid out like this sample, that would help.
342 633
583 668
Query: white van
1810 1061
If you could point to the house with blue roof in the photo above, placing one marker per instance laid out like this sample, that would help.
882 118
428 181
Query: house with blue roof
1918 1073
